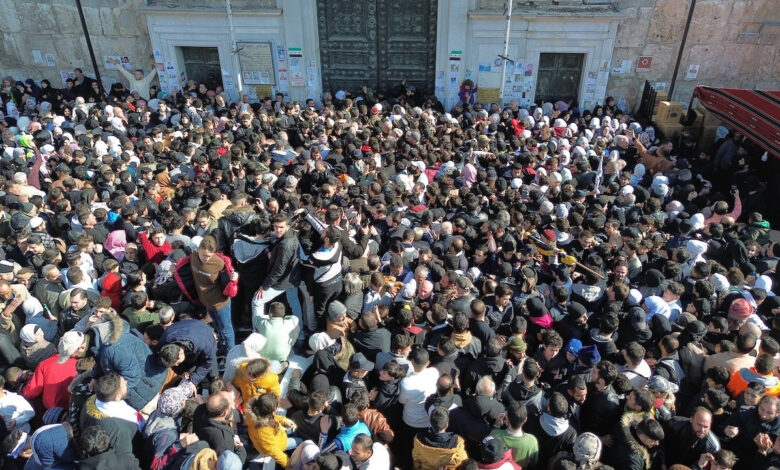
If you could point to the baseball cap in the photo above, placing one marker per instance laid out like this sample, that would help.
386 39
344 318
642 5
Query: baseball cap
360 362
69 343
492 450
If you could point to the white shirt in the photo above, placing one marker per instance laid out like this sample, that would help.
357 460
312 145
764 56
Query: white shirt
14 407
380 459
639 375
415 389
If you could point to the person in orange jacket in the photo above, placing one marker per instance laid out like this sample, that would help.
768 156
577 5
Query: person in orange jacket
761 372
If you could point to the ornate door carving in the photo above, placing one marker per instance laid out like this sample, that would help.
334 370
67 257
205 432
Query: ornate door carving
377 43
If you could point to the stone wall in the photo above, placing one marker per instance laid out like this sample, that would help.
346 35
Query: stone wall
734 42
53 27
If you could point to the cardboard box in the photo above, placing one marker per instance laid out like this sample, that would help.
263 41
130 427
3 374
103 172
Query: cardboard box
698 120
707 137
668 111
659 96
669 129
708 119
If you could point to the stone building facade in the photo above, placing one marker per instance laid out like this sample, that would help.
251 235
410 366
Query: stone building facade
583 50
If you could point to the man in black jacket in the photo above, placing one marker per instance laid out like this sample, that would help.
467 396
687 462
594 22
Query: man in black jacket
284 273
212 423
552 429
745 425
602 406
692 437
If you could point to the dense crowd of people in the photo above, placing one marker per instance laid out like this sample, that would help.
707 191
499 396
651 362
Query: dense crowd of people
371 282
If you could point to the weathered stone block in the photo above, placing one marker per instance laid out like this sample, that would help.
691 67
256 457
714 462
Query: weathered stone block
663 56
108 22
668 21
9 21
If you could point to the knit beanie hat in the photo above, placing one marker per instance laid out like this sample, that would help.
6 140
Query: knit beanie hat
171 401
587 449
740 309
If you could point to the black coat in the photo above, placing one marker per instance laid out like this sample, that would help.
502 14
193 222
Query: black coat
284 267
600 411
683 447
218 434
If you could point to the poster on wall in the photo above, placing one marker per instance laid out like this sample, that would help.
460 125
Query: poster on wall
108 59
311 74
692 72
509 78
644 63
51 60
488 95
65 75
256 62
295 59
439 85
453 81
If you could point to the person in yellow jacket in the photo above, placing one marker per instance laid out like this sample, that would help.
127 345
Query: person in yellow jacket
268 431
435 448
254 378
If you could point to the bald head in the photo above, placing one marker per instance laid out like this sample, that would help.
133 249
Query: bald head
217 406
750 328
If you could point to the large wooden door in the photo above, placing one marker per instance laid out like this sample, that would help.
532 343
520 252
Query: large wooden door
377 43
202 65
559 77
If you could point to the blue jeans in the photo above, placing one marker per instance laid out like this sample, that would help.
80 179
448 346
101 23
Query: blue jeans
223 324
293 441
258 305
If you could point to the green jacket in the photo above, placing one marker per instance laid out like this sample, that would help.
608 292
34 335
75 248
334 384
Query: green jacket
525 448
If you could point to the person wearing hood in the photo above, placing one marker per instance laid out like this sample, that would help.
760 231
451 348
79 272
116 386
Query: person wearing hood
237 214
634 327
250 348
692 353
491 363
758 229
552 429
161 432
435 448
655 305
605 335
34 347
640 449
696 250
524 389
120 350
575 325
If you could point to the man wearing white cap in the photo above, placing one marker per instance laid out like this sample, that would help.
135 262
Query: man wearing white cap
53 376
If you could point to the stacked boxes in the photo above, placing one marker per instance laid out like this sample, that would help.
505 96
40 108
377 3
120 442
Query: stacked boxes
667 118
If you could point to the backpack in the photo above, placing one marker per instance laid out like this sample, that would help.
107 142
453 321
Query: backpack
672 367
